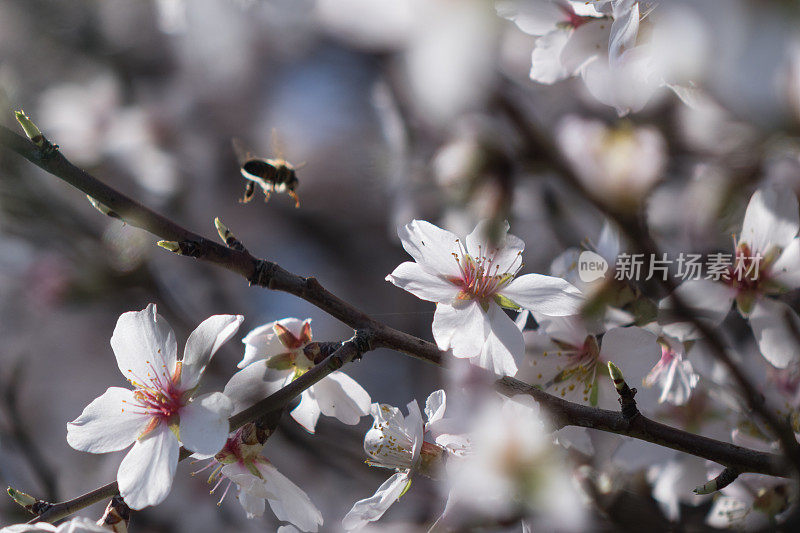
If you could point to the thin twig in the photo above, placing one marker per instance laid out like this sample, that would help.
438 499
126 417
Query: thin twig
371 334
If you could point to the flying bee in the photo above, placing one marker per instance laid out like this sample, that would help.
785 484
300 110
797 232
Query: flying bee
276 175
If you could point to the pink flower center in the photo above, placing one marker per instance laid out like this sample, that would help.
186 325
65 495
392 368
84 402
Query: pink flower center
157 394
572 19
480 277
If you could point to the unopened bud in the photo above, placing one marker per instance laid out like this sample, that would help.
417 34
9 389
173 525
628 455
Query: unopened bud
25 500
31 130
103 208
116 517
172 246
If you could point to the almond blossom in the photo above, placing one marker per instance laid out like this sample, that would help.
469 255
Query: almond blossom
570 361
276 354
673 373
513 471
766 261
240 462
407 445
472 281
161 412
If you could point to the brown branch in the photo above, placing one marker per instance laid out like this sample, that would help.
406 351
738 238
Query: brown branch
371 334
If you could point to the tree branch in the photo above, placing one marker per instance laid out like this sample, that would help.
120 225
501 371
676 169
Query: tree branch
370 335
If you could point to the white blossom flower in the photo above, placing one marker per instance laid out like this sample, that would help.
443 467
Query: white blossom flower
673 373
471 282
275 355
77 524
618 165
753 501
570 362
513 467
161 412
568 34
259 482
766 262
407 445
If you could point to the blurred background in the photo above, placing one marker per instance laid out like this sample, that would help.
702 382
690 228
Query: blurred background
398 110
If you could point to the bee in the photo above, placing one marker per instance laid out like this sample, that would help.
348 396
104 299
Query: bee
272 175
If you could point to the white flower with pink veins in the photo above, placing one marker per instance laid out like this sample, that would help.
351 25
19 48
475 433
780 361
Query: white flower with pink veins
472 281
161 412
766 261
276 354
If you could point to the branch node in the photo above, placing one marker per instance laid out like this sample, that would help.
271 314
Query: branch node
363 340
117 515
29 503
626 394
725 478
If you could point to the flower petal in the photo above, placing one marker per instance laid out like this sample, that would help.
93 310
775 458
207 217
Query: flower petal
109 424
372 508
291 503
340 396
709 300
544 294
143 342
203 343
204 423
503 343
771 218
430 246
307 411
146 473
546 65
786 270
505 249
435 406
420 282
777 330
461 327
254 383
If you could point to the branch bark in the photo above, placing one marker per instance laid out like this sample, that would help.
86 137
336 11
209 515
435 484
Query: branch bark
371 334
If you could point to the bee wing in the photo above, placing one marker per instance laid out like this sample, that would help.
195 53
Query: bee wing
277 146
243 153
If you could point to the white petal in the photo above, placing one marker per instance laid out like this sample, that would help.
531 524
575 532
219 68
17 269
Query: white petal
585 44
534 18
462 327
291 503
777 330
546 65
505 254
203 343
771 219
340 396
108 424
786 269
544 294
204 423
423 284
708 300
145 475
307 412
415 427
435 406
430 246
254 383
142 342
503 344
624 30
372 508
